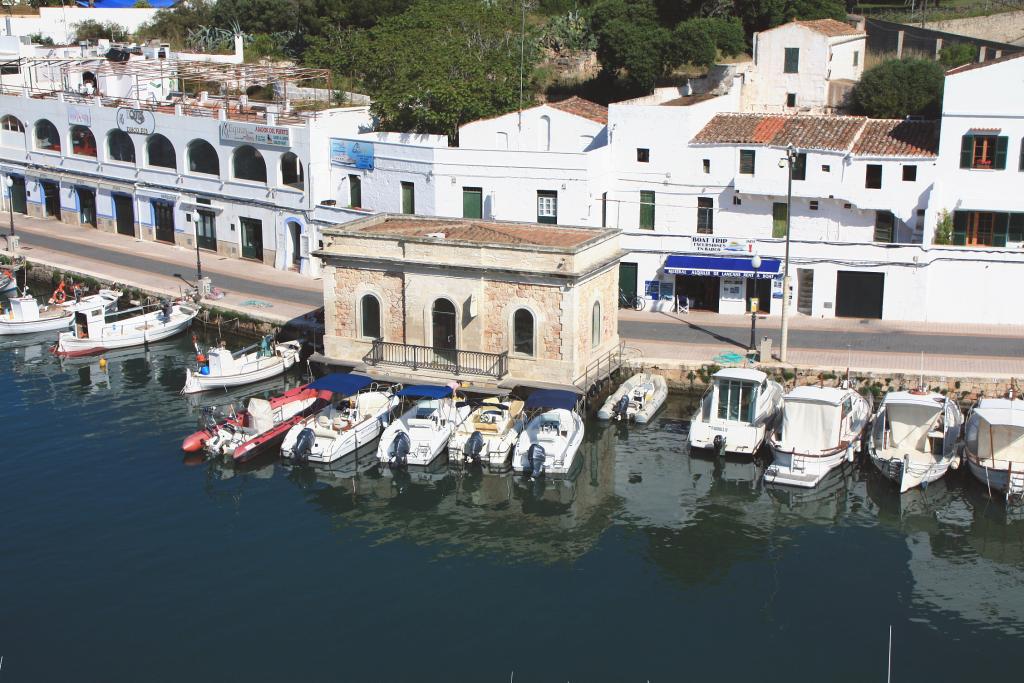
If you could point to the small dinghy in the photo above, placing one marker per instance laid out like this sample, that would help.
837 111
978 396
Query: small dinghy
914 437
260 428
26 316
994 446
488 436
9 279
356 416
740 408
422 432
822 428
96 330
638 399
220 368
552 436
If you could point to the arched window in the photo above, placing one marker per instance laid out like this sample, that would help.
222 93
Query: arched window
369 316
160 152
291 171
120 147
545 133
10 123
595 325
12 132
83 142
202 158
248 164
47 137
522 332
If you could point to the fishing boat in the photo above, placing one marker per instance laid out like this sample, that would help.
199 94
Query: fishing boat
552 436
260 428
822 428
9 280
914 437
994 445
95 330
357 414
26 316
220 367
638 399
740 408
421 433
488 436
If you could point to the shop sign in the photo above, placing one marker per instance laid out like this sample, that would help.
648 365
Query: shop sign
79 116
136 121
255 134
710 244
354 153
652 289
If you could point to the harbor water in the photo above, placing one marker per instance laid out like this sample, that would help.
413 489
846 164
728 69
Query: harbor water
125 561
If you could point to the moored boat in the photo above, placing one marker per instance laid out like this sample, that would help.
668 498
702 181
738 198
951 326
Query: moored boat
552 436
822 428
421 433
26 316
994 445
357 414
489 434
740 408
637 399
9 280
220 367
914 437
95 330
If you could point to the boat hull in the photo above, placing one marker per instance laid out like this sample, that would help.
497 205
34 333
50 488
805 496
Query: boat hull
805 471
911 474
59 323
338 445
650 407
740 439
990 477
560 455
69 345
197 383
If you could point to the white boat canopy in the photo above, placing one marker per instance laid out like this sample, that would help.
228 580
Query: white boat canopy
741 374
912 417
996 430
810 425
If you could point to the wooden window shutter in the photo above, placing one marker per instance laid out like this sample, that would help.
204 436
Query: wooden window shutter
1000 160
966 151
999 225
960 227
1015 232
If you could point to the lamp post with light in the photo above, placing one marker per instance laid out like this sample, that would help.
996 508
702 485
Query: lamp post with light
755 263
196 216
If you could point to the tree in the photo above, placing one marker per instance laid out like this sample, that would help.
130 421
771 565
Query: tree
693 42
630 42
142 4
957 54
760 15
898 88
173 24
93 30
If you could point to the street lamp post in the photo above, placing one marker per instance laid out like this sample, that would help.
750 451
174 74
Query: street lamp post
756 265
9 182
791 156
196 216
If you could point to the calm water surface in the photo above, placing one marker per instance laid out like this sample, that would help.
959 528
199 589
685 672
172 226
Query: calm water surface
122 562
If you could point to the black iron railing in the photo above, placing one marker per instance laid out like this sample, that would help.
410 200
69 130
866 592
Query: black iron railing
455 361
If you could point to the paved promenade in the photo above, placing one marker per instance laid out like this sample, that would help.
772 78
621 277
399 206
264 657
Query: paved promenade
661 338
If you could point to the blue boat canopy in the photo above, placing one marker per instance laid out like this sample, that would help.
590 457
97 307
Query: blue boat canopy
722 266
551 399
341 383
426 391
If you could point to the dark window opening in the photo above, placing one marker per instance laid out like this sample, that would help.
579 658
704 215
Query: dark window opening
249 164
202 158
747 161
291 171
83 142
705 216
120 147
160 152
643 155
370 316
522 332
873 177
792 63
910 173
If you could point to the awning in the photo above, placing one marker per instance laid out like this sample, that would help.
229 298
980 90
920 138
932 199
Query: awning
722 266
549 399
426 391
341 384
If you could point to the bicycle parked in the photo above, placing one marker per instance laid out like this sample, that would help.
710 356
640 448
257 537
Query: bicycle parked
636 302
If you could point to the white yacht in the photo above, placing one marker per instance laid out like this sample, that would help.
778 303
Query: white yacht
638 399
96 331
422 432
914 437
220 367
489 434
822 427
26 316
740 408
552 436
994 445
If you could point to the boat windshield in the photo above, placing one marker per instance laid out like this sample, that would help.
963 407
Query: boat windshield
737 400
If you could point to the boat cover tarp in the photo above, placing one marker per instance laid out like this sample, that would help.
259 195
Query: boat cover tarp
551 399
998 441
909 424
810 426
342 384
426 391
261 414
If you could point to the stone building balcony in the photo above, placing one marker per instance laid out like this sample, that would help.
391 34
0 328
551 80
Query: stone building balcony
454 361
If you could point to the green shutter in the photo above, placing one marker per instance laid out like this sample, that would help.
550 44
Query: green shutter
472 202
800 166
792 65
999 225
966 151
408 198
779 211
1015 231
1000 160
960 227
647 210
1021 166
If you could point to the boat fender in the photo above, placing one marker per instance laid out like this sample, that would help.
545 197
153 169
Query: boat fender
473 448
719 443
398 450
621 409
204 369
304 444
535 457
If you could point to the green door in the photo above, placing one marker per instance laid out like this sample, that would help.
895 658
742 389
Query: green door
18 197
206 230
627 281
163 221
779 219
472 202
252 238
646 210
408 198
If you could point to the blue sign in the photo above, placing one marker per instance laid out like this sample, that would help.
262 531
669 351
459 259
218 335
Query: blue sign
652 289
355 153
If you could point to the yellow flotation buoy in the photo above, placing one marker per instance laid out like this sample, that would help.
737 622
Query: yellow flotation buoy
103 364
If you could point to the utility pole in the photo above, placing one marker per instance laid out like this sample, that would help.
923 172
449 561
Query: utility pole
790 158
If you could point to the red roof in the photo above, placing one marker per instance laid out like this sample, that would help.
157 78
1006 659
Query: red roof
899 138
581 107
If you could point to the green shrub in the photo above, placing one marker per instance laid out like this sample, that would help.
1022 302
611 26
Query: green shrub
895 89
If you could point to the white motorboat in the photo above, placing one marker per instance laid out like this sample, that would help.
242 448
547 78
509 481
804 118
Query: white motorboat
740 408
489 434
26 316
355 417
638 399
914 437
552 436
994 445
421 433
96 331
822 427
220 368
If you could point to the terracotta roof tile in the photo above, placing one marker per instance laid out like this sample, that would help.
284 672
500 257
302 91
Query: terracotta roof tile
978 65
895 137
484 232
830 27
581 107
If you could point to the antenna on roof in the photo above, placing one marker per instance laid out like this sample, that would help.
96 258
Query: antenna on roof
522 59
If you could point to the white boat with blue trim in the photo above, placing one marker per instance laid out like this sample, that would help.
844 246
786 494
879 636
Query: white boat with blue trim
553 435
220 368
422 432
95 330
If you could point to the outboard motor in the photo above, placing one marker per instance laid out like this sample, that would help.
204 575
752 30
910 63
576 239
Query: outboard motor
398 450
167 310
621 409
719 443
473 448
535 457
303 445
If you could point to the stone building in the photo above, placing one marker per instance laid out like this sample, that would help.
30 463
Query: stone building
484 301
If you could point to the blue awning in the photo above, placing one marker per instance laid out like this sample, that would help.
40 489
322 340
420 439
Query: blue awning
426 391
341 383
551 398
722 266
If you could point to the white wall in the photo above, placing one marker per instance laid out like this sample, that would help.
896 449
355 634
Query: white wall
58 23
538 129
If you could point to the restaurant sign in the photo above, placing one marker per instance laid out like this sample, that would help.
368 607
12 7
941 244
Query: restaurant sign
255 134
136 121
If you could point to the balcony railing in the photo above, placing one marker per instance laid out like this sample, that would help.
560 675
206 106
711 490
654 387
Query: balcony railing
455 361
